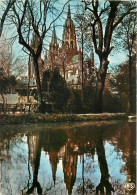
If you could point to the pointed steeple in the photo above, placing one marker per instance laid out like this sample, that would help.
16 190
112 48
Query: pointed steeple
69 13
54 45
53 155
69 168
69 34
54 31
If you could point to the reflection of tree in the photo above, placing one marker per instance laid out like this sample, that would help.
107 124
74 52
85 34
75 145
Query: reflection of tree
83 141
125 141
104 182
86 142
35 144
123 137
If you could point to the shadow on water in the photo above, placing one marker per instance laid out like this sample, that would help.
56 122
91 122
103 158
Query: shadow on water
78 158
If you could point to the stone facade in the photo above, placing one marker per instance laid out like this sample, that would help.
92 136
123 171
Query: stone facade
67 58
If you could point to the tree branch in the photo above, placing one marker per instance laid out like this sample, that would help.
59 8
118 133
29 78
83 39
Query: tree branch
123 16
11 2
20 22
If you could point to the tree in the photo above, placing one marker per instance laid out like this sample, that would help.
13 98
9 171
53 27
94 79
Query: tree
83 37
9 5
105 18
74 102
5 82
3 85
55 88
81 25
122 85
31 19
9 62
127 32
88 98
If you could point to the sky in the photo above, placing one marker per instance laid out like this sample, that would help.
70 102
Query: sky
116 57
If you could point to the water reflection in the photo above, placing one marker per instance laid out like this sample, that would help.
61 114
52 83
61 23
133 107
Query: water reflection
104 185
81 158
34 146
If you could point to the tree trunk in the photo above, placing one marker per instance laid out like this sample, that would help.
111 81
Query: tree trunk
99 98
3 105
64 67
82 44
28 91
131 102
100 84
35 60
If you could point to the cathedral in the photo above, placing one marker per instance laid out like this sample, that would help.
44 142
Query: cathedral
67 58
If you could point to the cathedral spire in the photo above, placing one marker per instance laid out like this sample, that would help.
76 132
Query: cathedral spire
54 31
69 34
54 45
69 13
53 155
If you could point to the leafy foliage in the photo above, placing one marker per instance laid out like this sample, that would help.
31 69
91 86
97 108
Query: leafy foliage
55 89
74 102
122 85
88 99
6 81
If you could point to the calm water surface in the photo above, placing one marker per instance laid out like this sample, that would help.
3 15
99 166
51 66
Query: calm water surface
68 158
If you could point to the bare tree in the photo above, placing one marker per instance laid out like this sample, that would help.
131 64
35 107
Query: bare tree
83 36
2 19
81 25
105 18
129 32
5 60
34 17
9 62
126 72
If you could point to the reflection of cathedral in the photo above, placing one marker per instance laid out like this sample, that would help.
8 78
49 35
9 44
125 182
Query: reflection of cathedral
69 169
67 58
67 145
53 156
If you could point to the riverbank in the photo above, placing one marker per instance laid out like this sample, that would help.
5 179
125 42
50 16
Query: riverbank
44 118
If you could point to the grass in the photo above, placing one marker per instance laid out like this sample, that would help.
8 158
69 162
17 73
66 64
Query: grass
38 118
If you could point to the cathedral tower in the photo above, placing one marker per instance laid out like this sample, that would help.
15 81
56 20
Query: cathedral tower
54 45
69 35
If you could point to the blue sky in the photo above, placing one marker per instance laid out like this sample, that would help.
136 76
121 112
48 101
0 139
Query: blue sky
116 57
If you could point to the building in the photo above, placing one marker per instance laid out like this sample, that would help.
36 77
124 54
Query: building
67 58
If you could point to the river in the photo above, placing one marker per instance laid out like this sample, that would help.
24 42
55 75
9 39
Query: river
68 158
